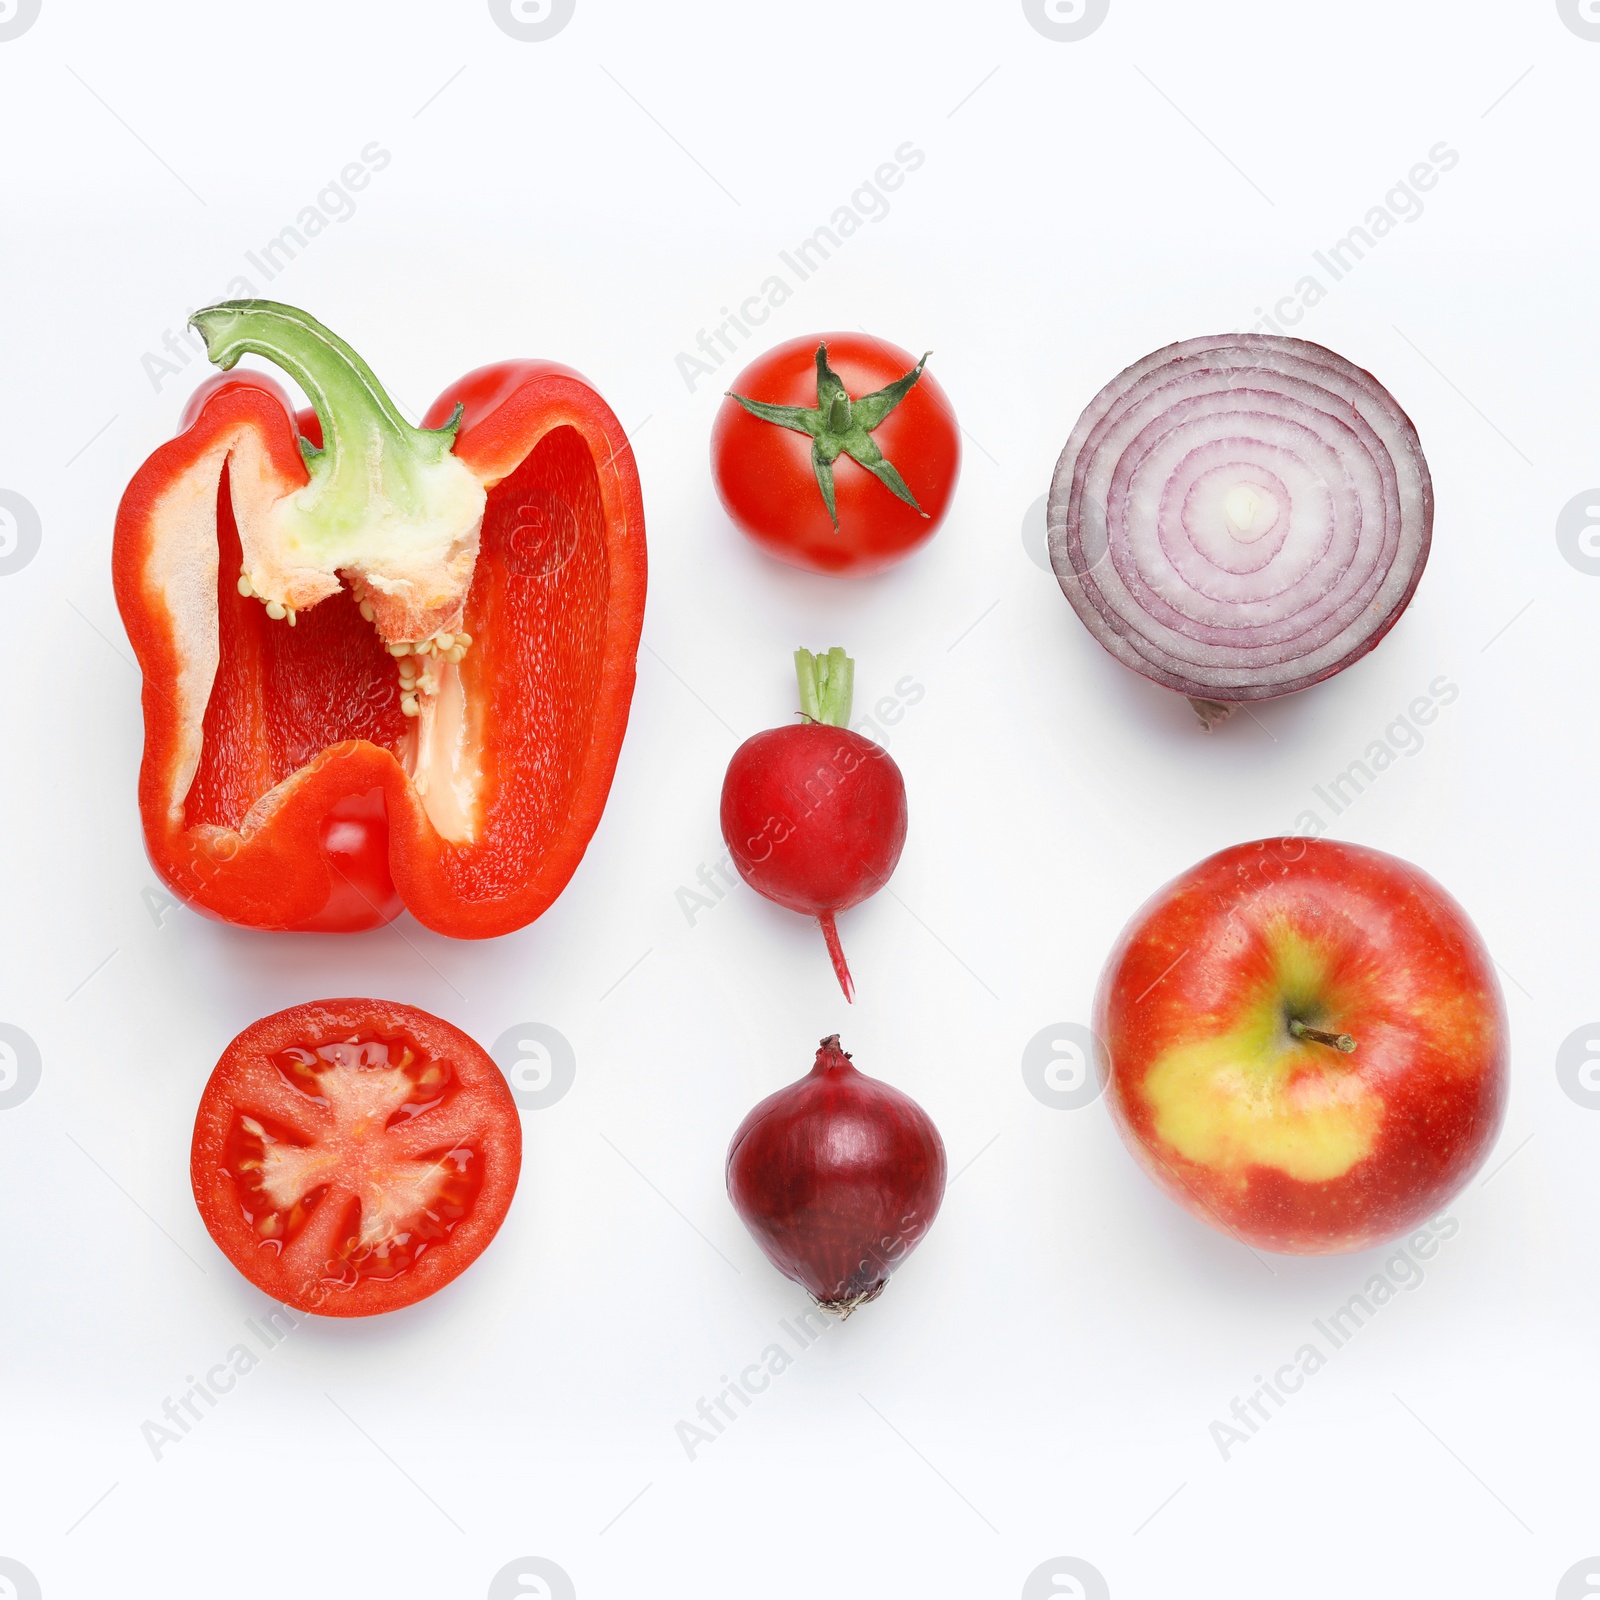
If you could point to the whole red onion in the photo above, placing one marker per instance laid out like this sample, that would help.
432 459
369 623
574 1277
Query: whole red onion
838 1177
1242 516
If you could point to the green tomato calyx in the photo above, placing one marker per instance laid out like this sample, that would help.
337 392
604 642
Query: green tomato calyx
839 425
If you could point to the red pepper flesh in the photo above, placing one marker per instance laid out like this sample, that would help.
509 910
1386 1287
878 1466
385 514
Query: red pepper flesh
275 789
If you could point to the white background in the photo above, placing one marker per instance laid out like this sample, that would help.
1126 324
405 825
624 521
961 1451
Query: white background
1041 1377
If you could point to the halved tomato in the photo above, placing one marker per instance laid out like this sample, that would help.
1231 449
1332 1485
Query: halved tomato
353 1156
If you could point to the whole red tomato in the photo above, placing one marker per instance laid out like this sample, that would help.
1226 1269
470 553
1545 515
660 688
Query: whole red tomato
1305 1044
834 414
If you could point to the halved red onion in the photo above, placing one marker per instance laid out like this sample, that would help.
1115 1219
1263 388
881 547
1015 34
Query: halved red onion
1241 516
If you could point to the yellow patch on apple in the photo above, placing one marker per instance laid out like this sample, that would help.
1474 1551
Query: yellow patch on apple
1255 1096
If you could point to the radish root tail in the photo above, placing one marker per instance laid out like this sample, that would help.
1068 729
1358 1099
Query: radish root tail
830 932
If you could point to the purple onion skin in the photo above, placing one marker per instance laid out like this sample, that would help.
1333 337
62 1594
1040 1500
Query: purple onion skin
837 1177
1233 649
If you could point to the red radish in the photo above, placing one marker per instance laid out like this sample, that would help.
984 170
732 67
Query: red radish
814 815
837 1178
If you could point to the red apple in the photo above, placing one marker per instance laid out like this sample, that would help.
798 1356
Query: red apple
1304 1044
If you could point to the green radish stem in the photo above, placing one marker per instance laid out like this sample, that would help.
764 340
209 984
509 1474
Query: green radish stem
827 683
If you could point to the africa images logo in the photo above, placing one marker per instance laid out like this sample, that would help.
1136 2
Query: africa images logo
16 17
16 1581
532 21
1065 21
20 1066
533 1578
1581 16
20 533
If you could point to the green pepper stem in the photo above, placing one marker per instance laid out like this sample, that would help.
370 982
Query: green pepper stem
827 683
361 426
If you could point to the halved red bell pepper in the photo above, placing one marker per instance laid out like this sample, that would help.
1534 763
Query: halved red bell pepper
383 665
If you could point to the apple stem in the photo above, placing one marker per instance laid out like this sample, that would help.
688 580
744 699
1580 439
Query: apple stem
1342 1042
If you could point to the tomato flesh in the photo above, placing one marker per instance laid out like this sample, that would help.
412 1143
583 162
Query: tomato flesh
400 1207
353 1156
